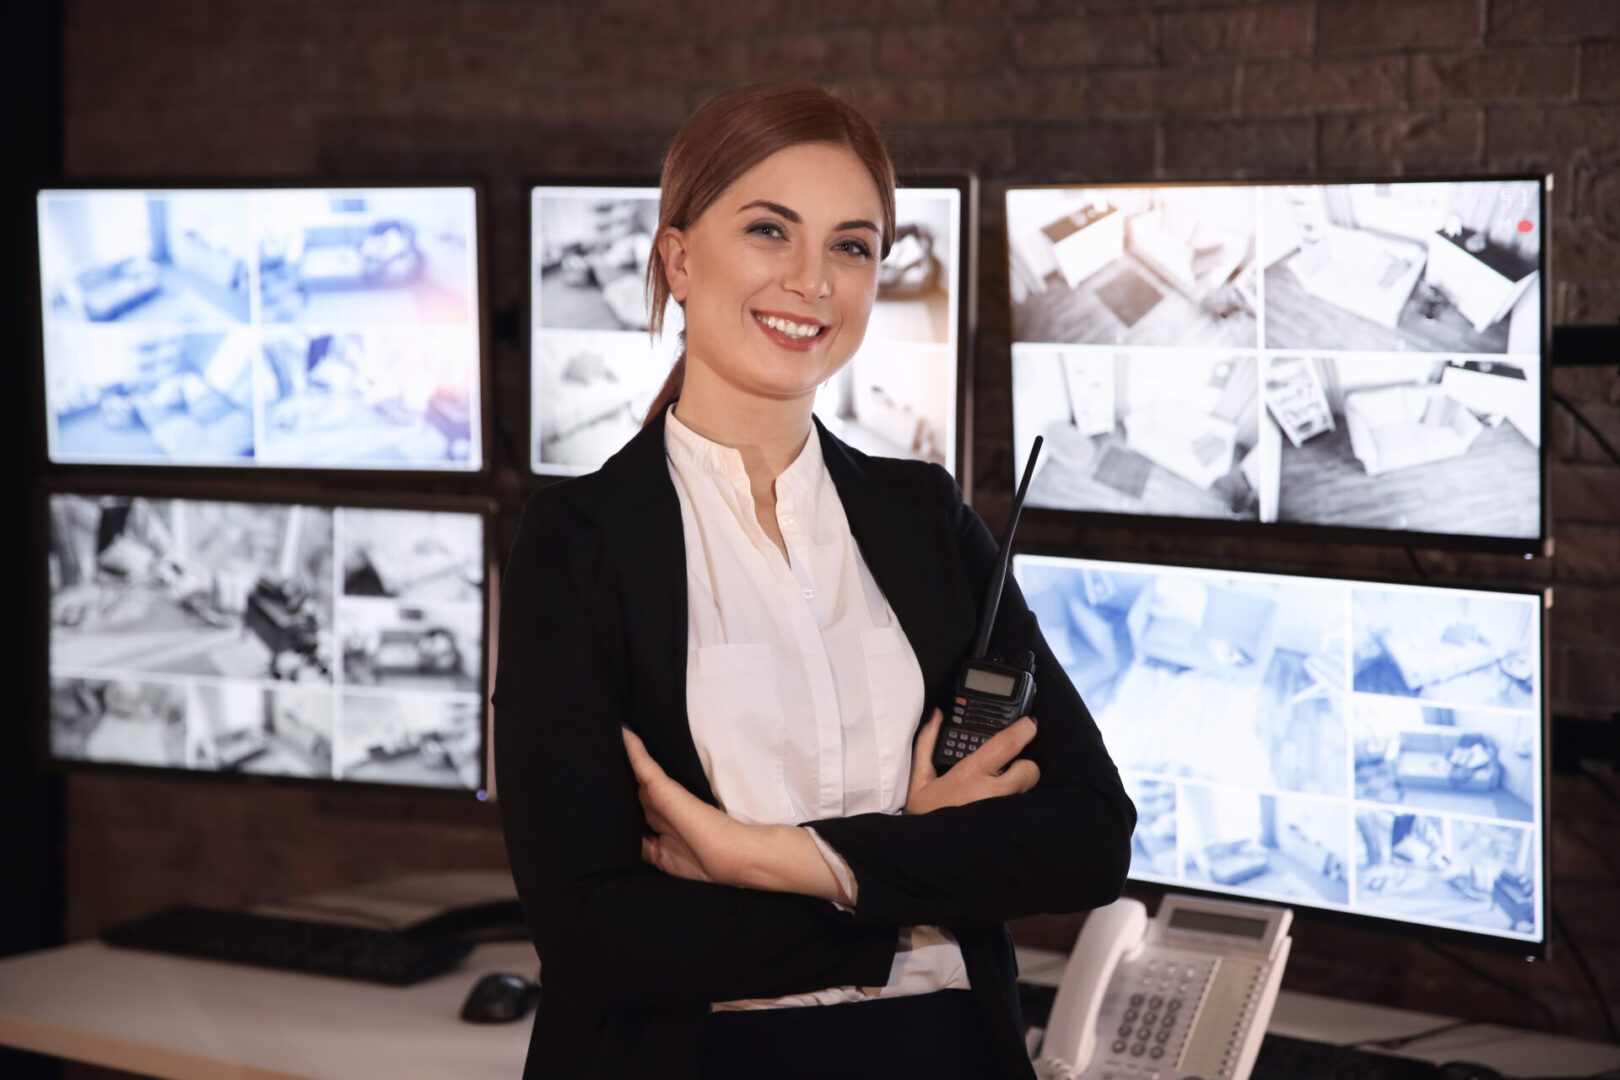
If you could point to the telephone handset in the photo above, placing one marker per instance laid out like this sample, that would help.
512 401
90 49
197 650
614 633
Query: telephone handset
1187 993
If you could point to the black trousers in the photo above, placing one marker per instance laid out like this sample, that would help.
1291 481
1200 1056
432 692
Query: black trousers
938 1036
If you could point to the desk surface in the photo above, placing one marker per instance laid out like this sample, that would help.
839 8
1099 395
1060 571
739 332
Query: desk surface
189 1019
198 1020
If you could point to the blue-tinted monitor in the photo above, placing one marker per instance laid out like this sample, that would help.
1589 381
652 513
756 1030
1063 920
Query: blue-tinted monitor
595 369
1374 750
332 328
312 642
1361 356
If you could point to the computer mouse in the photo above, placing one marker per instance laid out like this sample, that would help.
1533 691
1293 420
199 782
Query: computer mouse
499 998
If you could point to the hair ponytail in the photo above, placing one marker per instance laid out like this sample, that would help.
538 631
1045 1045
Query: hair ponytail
669 391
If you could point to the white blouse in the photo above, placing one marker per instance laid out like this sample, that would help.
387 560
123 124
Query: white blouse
802 690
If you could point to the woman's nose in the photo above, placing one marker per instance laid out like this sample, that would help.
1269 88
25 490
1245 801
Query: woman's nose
806 275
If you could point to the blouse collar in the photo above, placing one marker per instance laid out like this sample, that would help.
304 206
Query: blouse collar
689 448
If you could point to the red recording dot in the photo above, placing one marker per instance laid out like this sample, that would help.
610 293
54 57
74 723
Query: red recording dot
1526 225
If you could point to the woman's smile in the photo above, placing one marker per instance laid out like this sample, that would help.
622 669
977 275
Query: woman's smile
797 332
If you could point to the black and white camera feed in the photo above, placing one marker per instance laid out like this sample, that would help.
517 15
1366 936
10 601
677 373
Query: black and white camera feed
1238 680
119 721
1453 648
1164 432
1134 266
372 398
1153 844
1411 443
176 259
191 588
1429 267
143 393
917 278
1447 870
591 249
1266 845
399 645
366 257
594 368
246 727
417 556
1478 762
424 740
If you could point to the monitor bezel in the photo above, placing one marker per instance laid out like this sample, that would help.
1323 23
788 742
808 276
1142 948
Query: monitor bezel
966 185
484 507
1538 545
1538 950
382 477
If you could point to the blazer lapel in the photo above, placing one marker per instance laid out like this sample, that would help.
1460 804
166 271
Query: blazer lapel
645 527
908 547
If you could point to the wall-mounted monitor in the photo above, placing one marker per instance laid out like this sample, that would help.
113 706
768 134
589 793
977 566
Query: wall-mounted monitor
1360 356
294 328
318 643
1368 749
594 369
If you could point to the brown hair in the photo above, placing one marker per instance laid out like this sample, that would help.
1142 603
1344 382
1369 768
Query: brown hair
730 134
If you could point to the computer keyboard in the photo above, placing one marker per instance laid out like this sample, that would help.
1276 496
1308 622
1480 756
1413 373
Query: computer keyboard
1282 1058
315 948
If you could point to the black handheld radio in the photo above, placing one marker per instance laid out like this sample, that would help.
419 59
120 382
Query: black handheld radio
989 694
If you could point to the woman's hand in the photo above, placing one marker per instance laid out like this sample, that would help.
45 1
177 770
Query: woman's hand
691 839
699 842
983 774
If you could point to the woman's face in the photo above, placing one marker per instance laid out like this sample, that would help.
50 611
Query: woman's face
778 275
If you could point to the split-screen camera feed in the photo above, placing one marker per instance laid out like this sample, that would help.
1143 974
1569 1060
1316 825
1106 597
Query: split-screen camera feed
294 328
1355 355
595 368
296 641
1374 749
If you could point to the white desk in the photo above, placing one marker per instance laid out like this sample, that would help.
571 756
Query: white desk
197 1020
1510 1051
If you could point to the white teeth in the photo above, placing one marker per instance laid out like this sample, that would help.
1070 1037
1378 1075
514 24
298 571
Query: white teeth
791 329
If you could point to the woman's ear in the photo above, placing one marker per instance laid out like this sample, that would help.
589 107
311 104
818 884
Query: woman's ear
672 249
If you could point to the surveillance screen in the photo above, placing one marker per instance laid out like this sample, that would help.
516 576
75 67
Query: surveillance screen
295 328
596 369
1353 355
297 641
1371 749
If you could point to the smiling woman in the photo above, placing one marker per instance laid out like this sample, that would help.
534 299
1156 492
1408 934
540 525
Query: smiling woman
718 657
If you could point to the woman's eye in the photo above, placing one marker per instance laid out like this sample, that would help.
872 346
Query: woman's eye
854 247
768 229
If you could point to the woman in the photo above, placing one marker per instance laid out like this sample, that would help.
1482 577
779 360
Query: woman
733 629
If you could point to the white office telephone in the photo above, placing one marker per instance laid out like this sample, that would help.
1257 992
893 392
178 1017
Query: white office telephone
1185 994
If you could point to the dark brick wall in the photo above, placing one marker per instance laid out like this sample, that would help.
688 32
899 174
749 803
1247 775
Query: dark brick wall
1016 90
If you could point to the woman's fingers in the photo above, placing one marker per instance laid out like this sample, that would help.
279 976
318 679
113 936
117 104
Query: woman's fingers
1019 777
641 762
922 753
1004 745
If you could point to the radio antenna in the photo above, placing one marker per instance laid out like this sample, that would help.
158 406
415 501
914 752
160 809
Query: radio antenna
992 591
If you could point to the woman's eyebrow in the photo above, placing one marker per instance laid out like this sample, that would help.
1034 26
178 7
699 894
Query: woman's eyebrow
793 216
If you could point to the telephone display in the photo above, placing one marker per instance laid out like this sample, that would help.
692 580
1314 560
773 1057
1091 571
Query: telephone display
1188 993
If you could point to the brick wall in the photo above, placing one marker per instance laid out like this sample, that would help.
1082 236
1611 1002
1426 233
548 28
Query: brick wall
1017 90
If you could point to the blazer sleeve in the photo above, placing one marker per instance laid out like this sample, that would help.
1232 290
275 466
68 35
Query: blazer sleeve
609 928
1063 846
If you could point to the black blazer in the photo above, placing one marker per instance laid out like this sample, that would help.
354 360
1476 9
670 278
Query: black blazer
593 635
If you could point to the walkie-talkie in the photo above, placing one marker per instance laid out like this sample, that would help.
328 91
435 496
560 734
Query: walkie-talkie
989 694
